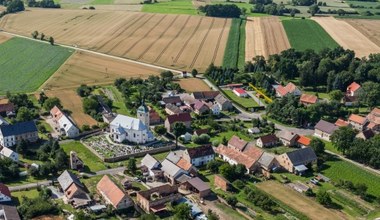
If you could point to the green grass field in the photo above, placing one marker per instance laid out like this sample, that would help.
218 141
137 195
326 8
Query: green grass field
90 160
339 169
307 34
234 54
26 64
171 7
245 102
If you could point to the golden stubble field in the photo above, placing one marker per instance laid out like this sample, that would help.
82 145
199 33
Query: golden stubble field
264 36
370 28
181 42
193 85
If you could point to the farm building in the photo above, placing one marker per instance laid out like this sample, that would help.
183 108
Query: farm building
221 183
341 123
240 92
296 161
6 107
112 194
223 103
198 186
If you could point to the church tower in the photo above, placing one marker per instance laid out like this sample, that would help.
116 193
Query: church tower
143 114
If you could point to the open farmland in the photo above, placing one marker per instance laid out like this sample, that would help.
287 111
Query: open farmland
71 101
4 37
347 36
26 64
298 201
306 34
92 69
264 36
370 28
177 41
193 85
235 49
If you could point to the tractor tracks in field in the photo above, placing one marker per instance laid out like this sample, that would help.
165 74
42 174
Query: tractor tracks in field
201 44
218 43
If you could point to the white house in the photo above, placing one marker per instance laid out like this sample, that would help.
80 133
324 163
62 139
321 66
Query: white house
151 164
240 92
8 153
65 124
12 134
125 128
199 156
5 194
215 109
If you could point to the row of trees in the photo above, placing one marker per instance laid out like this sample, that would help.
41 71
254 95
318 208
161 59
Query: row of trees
43 4
42 37
219 10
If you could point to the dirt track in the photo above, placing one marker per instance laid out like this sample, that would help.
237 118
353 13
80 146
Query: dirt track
177 41
264 36
347 36
370 28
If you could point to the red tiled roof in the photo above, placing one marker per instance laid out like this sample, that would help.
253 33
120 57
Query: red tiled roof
110 190
248 159
182 117
357 119
341 123
308 98
239 90
304 140
6 105
353 87
374 116
237 143
290 87
56 113
5 190
267 139
184 164
281 90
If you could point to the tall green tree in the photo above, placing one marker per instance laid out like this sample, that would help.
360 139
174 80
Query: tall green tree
343 138
179 129
317 145
182 212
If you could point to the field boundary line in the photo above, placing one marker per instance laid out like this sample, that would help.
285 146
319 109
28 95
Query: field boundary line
159 37
145 35
201 44
187 41
99 53
172 40
219 39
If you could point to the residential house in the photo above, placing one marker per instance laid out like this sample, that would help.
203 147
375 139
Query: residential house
357 122
182 117
112 194
240 92
174 100
154 200
125 128
75 162
171 171
6 108
9 213
366 134
268 163
341 123
5 193
353 89
200 107
154 117
215 109
374 120
205 95
223 103
324 129
151 167
74 191
222 183
287 138
290 88
12 134
174 157
8 153
296 161
197 186
199 156
303 141
187 166
171 109
268 140
237 143
187 99
308 99
66 126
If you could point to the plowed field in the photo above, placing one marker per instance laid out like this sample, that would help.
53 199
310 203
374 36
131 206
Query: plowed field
370 28
177 41
347 36
264 36
4 37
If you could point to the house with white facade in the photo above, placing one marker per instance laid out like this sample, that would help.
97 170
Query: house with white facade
5 194
12 134
66 126
240 92
199 156
8 153
125 128
151 164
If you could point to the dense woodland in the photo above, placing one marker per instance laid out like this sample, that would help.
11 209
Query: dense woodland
223 11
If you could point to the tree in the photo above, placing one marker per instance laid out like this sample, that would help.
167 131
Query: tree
80 215
51 40
317 145
231 200
49 103
213 166
194 72
42 98
179 129
24 114
15 6
336 95
167 76
22 146
343 138
323 198
148 217
42 37
314 9
341 12
211 215
35 34
160 129
227 171
182 212
224 140
293 13
132 165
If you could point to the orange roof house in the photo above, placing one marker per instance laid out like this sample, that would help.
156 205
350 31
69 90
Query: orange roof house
281 91
341 123
358 122
303 141
308 99
112 194
353 88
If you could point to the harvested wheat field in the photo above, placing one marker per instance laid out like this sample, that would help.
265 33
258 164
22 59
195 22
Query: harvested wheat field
264 36
347 36
299 202
193 85
176 41
4 37
92 69
370 28
71 101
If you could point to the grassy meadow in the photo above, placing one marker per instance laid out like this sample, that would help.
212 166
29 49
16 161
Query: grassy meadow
25 64
171 7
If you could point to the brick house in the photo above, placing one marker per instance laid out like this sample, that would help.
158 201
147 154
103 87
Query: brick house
222 183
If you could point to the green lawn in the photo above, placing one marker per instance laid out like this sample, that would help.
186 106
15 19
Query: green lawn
235 49
307 34
26 64
245 102
171 7
17 196
228 135
91 161
229 211
339 169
